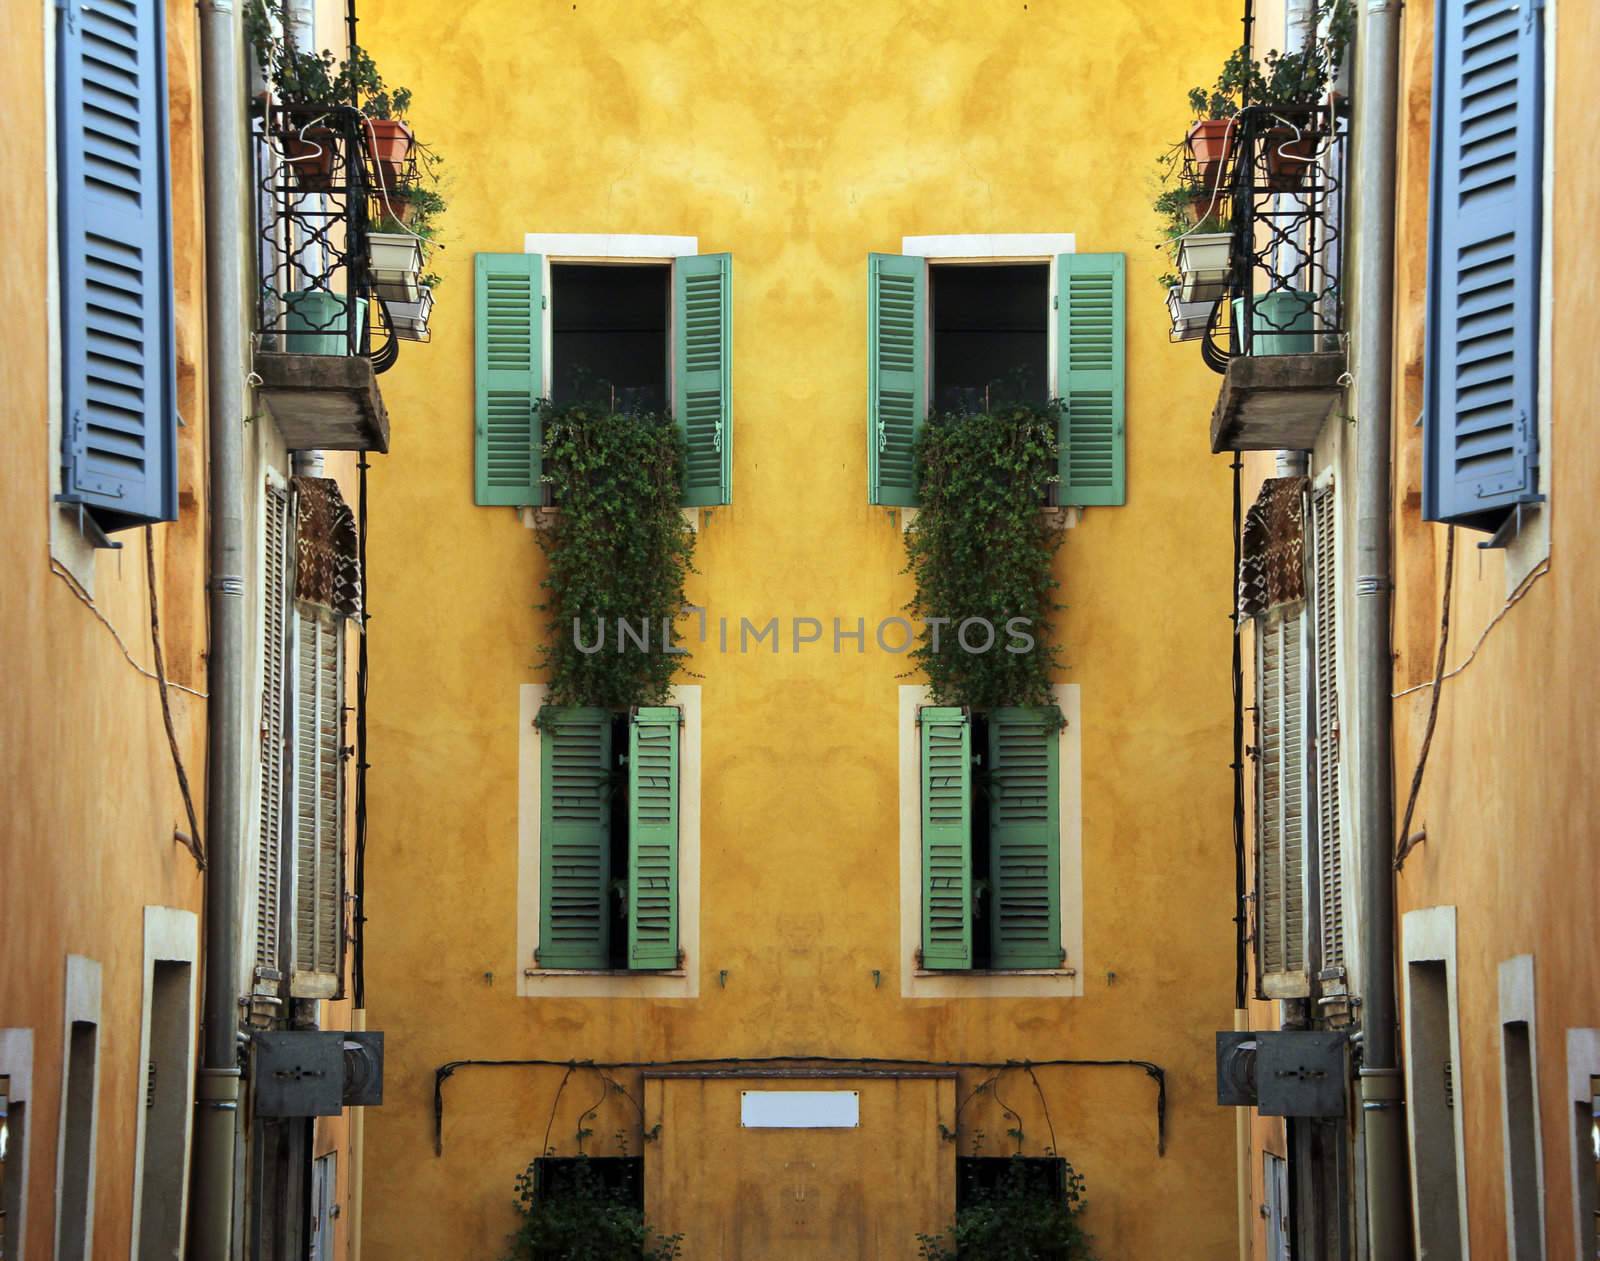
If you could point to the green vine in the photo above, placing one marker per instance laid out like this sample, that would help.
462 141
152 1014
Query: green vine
1016 1221
619 551
982 548
588 1221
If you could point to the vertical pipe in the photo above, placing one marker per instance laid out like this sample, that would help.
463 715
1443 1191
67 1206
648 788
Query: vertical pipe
217 1090
1376 122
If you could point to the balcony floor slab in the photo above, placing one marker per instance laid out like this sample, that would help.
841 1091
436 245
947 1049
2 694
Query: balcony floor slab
1276 402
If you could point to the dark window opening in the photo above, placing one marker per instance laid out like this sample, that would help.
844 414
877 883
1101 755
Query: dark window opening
609 335
979 1178
991 327
619 1179
617 882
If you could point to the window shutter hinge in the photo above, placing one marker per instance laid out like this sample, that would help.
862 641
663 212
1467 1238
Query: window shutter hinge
1055 302
544 302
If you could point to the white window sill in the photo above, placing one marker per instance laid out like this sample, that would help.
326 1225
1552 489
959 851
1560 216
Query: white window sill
537 973
980 973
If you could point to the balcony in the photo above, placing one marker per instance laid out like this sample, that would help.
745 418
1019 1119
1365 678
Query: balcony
318 355
1274 328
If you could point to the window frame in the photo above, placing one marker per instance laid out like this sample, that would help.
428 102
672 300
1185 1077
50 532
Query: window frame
534 981
82 1006
1066 981
16 1065
1517 1006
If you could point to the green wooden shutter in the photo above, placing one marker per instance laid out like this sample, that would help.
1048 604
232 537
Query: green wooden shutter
946 838
508 310
653 838
1091 377
897 386
574 837
702 386
1025 838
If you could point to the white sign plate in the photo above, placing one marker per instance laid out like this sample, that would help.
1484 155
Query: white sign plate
800 1109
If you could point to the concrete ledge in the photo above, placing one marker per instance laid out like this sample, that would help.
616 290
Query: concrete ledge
1272 402
324 402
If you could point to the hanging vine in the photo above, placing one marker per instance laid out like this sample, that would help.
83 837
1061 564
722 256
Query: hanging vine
619 553
981 552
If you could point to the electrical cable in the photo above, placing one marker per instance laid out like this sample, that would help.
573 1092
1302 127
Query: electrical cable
192 842
1522 589
61 572
449 1068
1240 919
359 879
1406 841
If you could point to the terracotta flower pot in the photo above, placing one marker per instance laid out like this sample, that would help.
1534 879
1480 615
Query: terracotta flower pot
1210 144
1208 203
388 145
396 202
1289 157
311 155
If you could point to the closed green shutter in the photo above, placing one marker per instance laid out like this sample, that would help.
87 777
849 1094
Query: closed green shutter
897 386
1025 838
1091 377
574 837
946 838
702 387
508 310
653 838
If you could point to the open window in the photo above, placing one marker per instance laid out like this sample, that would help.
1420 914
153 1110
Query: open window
608 838
964 336
632 336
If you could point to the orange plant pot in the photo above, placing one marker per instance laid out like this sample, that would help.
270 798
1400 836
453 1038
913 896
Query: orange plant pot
1210 144
1289 157
388 145
311 155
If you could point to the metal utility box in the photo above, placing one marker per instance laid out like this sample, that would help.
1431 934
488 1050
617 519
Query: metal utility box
316 1073
1284 1073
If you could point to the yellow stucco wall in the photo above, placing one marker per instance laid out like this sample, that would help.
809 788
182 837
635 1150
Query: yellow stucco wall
799 138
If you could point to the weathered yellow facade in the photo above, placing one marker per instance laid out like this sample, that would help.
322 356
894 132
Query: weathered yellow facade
799 139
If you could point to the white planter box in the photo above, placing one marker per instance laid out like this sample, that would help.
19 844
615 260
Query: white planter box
395 263
1204 261
410 319
1189 319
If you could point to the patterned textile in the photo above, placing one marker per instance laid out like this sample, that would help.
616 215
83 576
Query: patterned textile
327 568
1272 569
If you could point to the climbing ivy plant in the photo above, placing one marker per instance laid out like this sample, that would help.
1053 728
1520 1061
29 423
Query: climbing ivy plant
619 552
589 1221
981 547
1016 1221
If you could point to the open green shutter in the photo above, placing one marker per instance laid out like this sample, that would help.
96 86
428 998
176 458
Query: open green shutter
574 837
1091 377
1025 837
653 838
946 838
508 311
897 387
702 386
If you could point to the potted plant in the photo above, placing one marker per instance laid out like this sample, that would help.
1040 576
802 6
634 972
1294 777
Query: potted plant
409 320
1282 322
1205 264
1189 319
388 137
1213 135
394 261
317 322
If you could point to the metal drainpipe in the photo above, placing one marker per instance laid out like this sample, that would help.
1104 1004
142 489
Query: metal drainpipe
216 1131
1382 1089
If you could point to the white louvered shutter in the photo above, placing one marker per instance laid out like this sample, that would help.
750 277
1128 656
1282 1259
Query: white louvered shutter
274 733
1281 805
1325 737
318 802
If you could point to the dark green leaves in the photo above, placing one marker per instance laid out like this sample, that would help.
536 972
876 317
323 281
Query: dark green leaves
981 548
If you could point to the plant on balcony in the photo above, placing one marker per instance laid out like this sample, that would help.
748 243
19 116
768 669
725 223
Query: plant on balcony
981 548
589 1221
619 553
388 137
1016 1221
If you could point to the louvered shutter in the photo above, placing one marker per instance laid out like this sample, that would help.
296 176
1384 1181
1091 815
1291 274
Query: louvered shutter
274 734
946 838
653 838
897 384
574 837
1091 377
1325 738
702 387
119 430
1025 838
508 305
1481 419
1281 805
318 803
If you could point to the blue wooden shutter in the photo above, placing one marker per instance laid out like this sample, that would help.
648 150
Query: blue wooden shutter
897 363
1091 377
119 412
1481 417
702 386
653 838
508 381
1025 838
574 837
946 837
